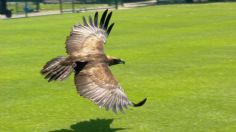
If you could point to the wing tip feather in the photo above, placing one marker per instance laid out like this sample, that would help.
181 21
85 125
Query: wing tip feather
141 103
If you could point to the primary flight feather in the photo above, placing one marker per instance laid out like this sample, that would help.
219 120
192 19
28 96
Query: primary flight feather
93 78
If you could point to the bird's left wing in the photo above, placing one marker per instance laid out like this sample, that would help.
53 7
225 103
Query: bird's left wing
89 38
97 83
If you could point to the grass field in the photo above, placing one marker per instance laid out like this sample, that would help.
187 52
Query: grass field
181 57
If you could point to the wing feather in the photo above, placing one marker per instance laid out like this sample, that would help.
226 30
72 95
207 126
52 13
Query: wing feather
88 39
107 21
96 19
110 28
97 83
103 18
91 21
85 22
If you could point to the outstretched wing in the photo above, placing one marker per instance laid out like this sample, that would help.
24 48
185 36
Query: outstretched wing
88 39
97 83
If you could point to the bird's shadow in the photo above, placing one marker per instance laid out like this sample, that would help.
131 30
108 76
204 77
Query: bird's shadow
93 125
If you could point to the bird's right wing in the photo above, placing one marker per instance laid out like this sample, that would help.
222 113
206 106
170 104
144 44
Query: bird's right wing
97 83
89 38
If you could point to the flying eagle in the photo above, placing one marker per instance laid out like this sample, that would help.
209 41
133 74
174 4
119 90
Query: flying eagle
86 58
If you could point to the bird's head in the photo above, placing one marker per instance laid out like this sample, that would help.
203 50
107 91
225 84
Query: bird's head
118 61
114 61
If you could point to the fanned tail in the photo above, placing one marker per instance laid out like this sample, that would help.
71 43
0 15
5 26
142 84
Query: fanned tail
53 70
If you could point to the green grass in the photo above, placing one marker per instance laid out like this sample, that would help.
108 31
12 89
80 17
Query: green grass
181 57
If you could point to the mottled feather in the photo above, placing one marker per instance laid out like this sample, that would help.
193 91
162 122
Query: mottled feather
97 83
88 39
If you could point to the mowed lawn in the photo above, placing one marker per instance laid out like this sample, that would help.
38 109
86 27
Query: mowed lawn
181 57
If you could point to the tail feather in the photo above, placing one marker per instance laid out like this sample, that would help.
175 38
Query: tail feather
54 70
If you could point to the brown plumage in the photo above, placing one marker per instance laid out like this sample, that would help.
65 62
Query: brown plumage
93 78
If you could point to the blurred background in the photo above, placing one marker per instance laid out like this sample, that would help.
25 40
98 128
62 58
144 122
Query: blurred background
28 8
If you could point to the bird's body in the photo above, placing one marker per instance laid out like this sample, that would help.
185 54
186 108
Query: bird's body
86 57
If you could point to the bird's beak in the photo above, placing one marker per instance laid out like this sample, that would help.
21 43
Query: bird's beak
121 62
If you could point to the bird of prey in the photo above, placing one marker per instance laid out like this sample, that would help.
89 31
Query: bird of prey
86 58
